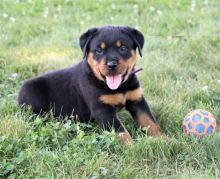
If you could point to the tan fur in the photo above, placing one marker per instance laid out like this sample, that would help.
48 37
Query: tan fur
134 95
118 43
101 69
120 98
122 66
145 121
102 45
95 66
130 63
113 99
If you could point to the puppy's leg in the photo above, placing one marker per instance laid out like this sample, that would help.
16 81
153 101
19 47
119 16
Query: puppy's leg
34 93
141 112
107 118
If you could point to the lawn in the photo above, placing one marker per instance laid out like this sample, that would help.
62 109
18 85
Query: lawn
181 62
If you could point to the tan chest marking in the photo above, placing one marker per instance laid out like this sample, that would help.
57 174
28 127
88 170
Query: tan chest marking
134 95
113 99
121 98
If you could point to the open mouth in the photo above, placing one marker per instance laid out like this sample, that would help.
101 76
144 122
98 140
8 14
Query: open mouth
113 81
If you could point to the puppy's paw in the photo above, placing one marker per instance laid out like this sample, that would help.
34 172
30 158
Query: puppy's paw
154 130
125 137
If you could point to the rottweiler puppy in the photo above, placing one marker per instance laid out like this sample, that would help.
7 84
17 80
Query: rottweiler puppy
98 85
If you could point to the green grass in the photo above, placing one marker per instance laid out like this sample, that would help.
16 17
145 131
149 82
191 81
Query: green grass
181 61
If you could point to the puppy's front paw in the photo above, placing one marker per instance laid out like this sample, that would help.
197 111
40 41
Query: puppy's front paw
154 130
125 137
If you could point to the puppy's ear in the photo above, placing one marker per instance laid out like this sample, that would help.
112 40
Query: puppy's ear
137 37
85 38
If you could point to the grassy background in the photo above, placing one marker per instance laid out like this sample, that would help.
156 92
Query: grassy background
181 61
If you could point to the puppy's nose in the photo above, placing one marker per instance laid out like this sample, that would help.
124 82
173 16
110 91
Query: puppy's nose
112 65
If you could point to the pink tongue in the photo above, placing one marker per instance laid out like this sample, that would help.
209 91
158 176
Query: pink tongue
113 81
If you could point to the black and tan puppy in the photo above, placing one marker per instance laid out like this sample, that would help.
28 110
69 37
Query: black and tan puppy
96 86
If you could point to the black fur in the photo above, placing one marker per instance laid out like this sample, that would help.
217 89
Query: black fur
76 90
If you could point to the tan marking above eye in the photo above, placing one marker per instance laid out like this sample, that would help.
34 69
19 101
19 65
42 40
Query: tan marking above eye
102 45
118 43
120 98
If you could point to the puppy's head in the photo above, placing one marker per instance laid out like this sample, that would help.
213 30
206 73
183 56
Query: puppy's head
111 52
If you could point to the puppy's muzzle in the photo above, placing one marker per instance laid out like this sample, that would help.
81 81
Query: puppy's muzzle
112 65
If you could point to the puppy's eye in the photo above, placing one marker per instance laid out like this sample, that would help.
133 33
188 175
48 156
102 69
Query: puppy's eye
123 49
99 51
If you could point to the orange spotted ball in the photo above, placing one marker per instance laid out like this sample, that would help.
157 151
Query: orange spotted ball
199 123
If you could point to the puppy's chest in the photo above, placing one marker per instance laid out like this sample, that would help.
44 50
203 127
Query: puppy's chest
119 99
